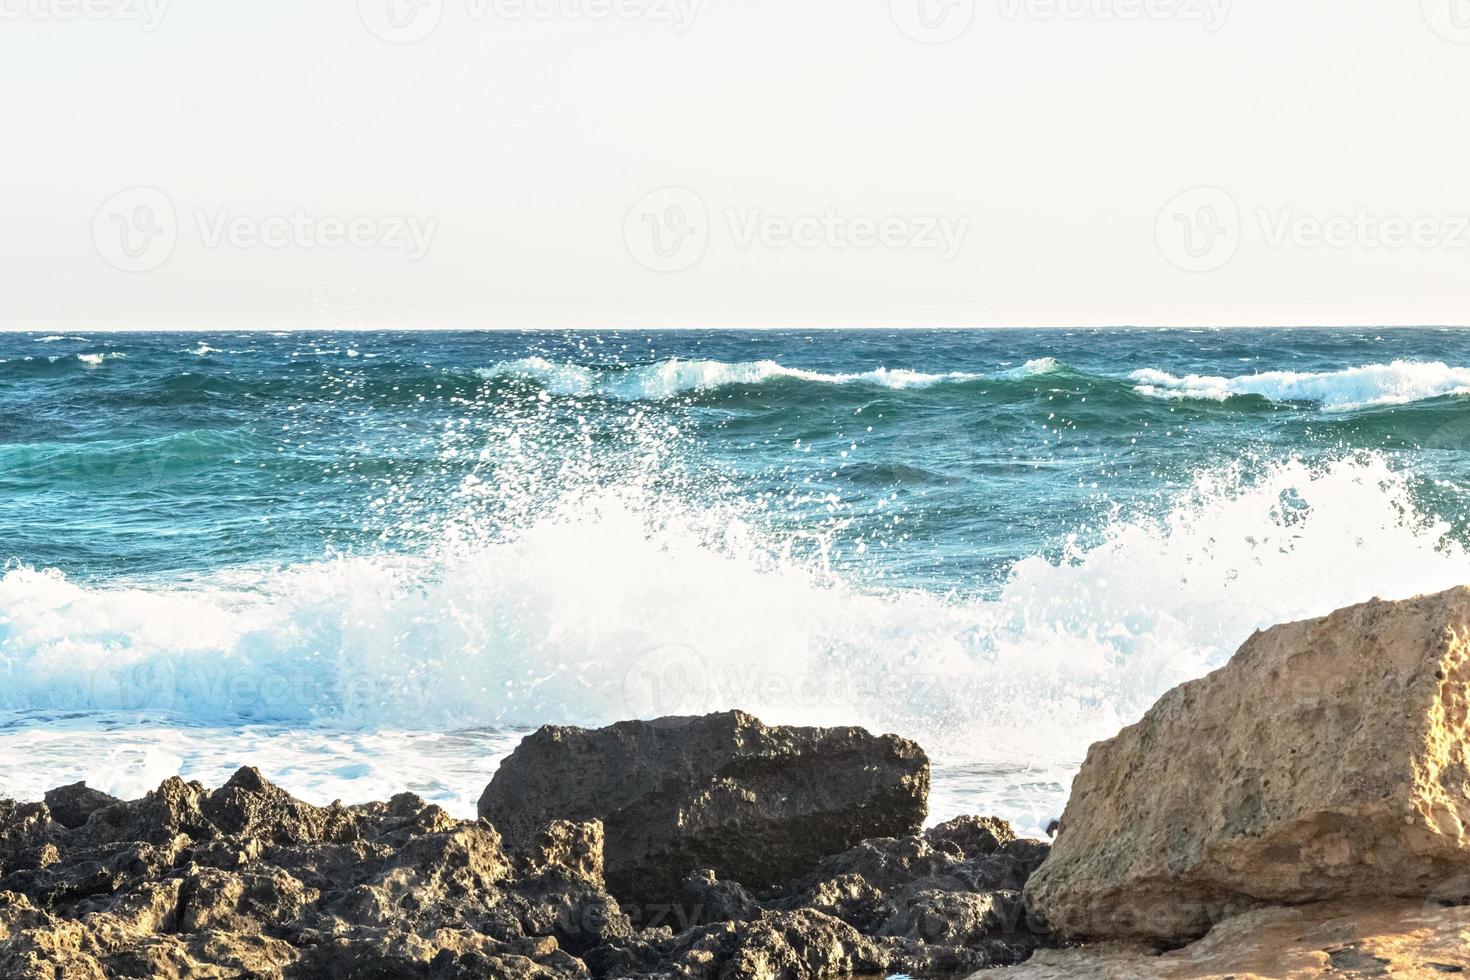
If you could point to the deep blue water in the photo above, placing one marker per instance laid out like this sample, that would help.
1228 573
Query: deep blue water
186 453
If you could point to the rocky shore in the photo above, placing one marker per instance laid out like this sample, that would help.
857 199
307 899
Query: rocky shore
1301 812
710 847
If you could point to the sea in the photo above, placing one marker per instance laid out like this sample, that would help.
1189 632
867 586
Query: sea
369 562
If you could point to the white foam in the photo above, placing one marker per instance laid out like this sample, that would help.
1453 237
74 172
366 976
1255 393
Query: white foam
1034 368
1398 383
616 606
676 376
96 360
128 755
559 379
622 599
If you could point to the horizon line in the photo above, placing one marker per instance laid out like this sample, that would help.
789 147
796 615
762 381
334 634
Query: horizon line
958 328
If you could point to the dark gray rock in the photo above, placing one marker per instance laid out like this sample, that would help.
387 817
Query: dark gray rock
783 944
72 806
957 884
1007 869
888 864
849 897
709 900
970 837
755 803
245 880
948 918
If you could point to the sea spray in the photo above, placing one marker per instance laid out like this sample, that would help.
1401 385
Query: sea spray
666 379
615 607
1368 386
365 563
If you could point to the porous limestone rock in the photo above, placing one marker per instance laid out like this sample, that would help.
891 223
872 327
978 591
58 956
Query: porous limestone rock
1340 940
1328 759
246 881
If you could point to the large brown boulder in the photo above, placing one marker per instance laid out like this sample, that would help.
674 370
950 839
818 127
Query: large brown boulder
756 804
1338 940
1328 759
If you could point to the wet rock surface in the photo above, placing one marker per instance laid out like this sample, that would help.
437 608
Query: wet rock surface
753 803
244 880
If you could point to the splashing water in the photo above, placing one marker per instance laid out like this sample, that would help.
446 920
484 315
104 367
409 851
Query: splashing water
1004 560
665 379
614 607
1398 383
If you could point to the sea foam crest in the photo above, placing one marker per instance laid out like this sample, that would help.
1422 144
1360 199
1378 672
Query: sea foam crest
619 605
1398 383
677 376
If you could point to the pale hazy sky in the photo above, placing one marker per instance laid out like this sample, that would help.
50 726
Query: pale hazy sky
636 163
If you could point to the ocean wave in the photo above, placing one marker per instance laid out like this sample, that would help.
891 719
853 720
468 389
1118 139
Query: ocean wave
616 604
1398 383
1034 368
676 376
53 362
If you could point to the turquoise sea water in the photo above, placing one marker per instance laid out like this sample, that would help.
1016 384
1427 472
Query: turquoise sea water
365 561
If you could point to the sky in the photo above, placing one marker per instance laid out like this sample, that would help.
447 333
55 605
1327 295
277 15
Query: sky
733 163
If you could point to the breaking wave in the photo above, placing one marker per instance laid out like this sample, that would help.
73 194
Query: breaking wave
1373 385
620 602
666 379
1398 383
